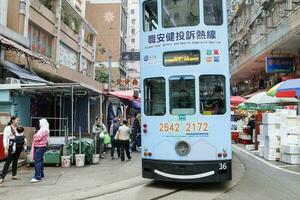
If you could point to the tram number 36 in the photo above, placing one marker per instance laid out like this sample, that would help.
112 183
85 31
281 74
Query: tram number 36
222 166
189 127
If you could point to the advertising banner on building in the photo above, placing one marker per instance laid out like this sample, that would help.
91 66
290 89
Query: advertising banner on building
279 65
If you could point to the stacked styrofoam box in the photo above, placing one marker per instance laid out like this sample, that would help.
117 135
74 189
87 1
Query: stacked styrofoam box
261 150
290 138
270 139
272 142
270 154
250 147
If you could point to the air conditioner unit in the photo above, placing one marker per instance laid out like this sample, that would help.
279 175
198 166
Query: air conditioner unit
279 1
249 2
258 21
240 30
265 13
11 80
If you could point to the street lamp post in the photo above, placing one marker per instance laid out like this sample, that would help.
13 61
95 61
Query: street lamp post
109 71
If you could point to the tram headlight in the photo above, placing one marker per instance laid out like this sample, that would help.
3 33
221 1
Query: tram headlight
145 128
182 148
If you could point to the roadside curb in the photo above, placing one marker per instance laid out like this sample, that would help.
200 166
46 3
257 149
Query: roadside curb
264 161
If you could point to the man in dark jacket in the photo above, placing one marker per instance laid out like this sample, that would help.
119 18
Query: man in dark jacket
115 143
251 124
136 132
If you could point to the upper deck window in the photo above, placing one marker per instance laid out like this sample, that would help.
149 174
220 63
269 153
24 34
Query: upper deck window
213 12
150 15
180 13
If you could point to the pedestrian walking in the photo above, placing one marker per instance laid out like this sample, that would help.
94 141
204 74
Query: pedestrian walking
38 150
123 136
115 143
98 130
136 131
13 143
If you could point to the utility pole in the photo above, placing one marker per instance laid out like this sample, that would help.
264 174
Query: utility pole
109 72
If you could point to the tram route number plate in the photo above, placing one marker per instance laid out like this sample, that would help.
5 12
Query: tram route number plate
189 127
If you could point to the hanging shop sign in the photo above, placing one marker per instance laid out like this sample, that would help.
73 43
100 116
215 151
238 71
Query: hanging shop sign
279 65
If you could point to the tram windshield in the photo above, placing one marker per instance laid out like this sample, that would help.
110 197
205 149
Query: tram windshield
212 94
182 95
180 13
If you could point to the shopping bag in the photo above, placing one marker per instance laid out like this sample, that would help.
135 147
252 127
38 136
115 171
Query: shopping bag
106 138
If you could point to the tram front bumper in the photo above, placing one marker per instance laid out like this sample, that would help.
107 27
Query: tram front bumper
187 171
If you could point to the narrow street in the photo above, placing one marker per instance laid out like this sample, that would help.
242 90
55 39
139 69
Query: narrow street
111 179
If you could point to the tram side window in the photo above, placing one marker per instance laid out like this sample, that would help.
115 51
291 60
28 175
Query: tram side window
182 95
212 95
155 96
179 13
213 12
150 15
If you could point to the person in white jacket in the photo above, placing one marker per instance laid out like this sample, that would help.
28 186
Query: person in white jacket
98 130
9 135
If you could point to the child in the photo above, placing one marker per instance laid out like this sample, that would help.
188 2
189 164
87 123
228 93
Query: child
19 141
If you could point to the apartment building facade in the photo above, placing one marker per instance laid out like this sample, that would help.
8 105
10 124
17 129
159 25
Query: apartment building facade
261 31
50 46
109 17
133 41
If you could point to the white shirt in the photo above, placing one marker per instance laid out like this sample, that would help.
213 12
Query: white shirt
123 133
7 135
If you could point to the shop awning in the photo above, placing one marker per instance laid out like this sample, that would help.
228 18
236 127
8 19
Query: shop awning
253 94
123 94
65 88
24 75
11 45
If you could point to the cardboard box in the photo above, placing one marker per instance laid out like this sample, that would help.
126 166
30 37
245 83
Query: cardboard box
291 159
272 141
270 154
290 149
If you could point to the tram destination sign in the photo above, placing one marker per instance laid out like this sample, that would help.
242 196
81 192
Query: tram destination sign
177 58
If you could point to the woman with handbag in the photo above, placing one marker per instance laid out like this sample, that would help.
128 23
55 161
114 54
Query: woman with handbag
12 154
38 150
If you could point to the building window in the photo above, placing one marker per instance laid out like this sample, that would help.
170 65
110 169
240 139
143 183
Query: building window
133 21
182 95
133 31
132 11
213 14
132 40
67 56
188 9
150 15
154 96
40 41
212 95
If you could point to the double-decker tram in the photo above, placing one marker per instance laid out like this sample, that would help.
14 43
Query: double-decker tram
185 91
